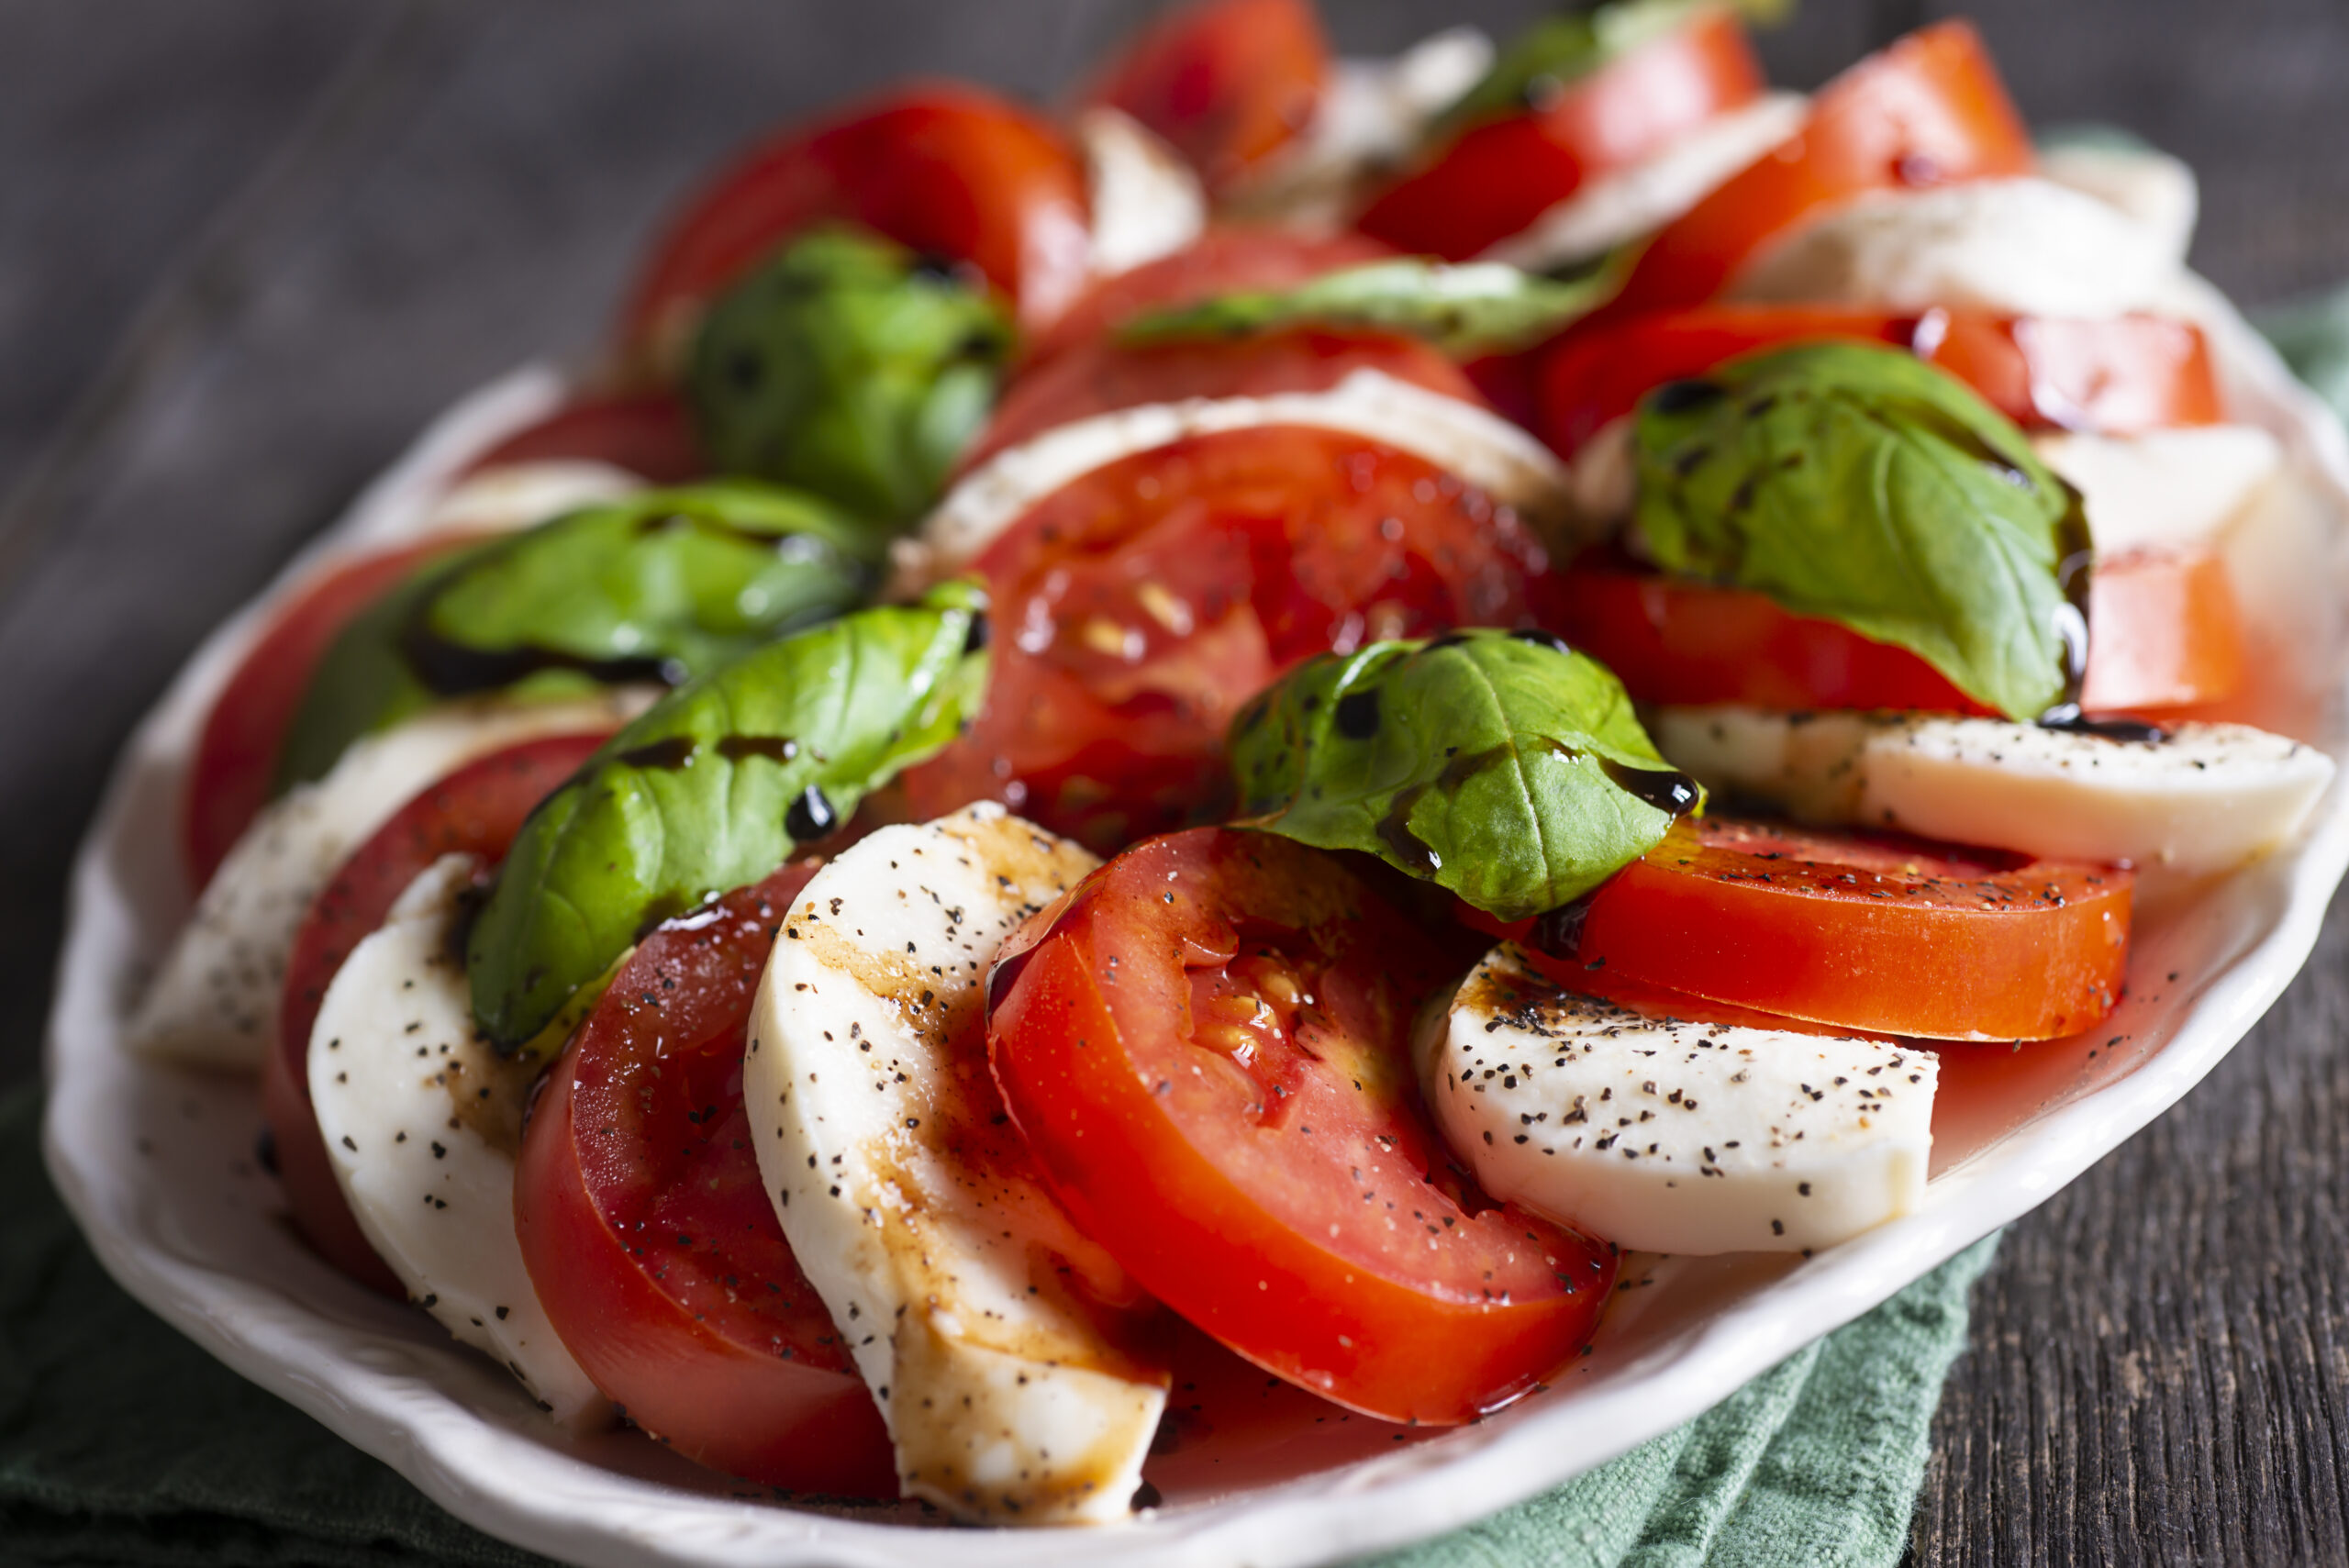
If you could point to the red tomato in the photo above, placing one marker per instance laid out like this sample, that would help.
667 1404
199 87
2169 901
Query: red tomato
1226 83
1139 606
475 810
1101 375
1223 260
2165 632
944 167
1207 1045
651 1239
650 436
236 756
1854 930
2118 376
1494 179
1927 111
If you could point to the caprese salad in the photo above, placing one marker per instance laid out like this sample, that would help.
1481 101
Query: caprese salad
1296 702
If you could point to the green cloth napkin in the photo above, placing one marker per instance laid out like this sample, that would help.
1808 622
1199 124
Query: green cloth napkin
121 1444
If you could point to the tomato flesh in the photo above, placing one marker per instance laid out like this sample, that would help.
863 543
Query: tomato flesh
1495 179
1139 606
1226 83
475 810
236 756
1207 1045
1927 111
2165 632
946 168
649 435
651 1239
1855 930
2116 377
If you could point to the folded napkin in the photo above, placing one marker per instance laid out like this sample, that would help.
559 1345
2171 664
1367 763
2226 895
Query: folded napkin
123 1444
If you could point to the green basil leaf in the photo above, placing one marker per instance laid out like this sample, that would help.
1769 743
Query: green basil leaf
1499 764
1481 307
656 587
1557 51
1859 484
714 786
847 367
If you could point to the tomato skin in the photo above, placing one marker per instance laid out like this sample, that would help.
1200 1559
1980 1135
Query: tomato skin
1856 930
944 167
475 810
1928 110
649 1236
2166 631
651 435
1233 1186
1227 260
1495 179
1102 376
2116 377
1140 605
235 755
1226 83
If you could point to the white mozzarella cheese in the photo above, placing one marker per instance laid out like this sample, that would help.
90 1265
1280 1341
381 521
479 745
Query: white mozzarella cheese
1645 196
423 1122
2156 191
1670 1136
910 1201
213 1002
2182 485
2207 798
2025 247
1145 200
516 495
1480 447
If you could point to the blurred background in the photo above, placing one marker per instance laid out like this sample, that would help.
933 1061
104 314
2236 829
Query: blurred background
248 247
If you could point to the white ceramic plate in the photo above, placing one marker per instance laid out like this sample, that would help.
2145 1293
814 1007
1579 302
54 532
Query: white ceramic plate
156 1165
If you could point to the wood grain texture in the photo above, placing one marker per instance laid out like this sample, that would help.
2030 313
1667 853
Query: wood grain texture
246 249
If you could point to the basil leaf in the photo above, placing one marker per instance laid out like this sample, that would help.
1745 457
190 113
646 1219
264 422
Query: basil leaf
1499 764
1859 484
652 588
1480 307
1555 53
712 788
849 368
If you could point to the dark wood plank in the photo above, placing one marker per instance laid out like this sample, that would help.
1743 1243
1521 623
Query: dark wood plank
339 217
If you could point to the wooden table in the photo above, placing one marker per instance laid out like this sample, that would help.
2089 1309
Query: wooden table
247 248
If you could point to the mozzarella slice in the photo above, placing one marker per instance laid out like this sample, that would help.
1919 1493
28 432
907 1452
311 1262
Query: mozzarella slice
1668 1136
913 1204
1478 446
2154 189
1146 201
2023 246
1648 195
423 1121
516 495
2209 797
213 1002
2183 486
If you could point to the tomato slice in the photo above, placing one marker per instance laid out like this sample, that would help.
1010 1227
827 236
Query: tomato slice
235 755
2116 377
1207 1045
1855 930
651 1239
1140 605
650 436
1495 179
1102 375
475 810
1928 110
2165 632
1232 260
944 167
1226 83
